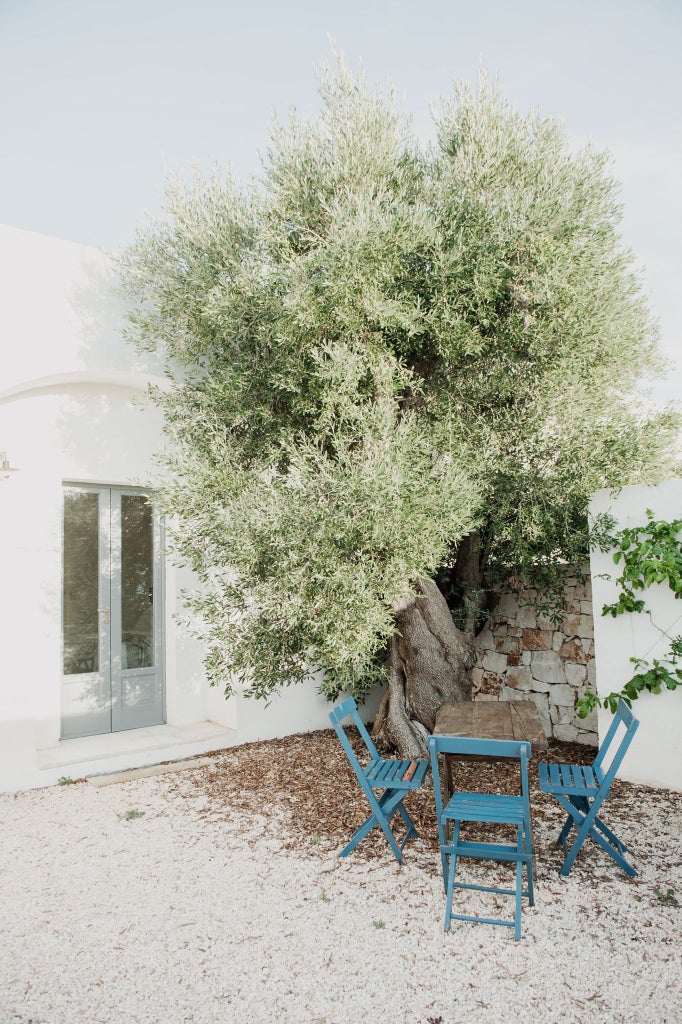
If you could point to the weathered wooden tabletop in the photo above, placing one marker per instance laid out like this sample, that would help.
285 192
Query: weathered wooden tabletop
491 720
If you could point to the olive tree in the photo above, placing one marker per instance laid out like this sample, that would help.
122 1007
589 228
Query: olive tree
394 370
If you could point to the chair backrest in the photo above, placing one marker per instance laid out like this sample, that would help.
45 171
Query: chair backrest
519 750
349 709
624 717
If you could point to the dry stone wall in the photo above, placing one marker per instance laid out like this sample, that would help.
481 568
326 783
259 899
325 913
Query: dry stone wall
524 655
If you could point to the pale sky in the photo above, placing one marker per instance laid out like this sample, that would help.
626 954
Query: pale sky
99 96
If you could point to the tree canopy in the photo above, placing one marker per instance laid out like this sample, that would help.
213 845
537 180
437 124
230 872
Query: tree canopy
379 350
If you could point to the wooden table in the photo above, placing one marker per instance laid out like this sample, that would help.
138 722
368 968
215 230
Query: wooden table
490 720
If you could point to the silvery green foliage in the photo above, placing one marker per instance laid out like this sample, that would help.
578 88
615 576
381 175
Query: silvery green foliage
377 349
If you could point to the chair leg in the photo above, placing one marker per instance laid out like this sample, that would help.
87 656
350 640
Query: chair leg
581 805
519 891
451 880
563 835
385 828
368 824
574 850
524 845
444 866
613 851
443 840
613 839
587 822
409 824
581 815
382 812
530 871
588 828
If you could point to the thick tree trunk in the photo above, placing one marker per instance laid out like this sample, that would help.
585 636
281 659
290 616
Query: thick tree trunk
429 662
467 575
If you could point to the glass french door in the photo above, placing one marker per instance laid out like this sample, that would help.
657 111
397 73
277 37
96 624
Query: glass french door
111 612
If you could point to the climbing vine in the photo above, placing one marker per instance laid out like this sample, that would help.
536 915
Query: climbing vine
649 554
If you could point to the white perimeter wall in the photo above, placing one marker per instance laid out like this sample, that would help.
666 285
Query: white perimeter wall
655 757
72 410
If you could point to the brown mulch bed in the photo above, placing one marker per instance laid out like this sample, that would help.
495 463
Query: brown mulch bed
305 782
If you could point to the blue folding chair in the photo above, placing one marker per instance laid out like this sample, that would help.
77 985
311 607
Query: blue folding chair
488 808
396 778
582 789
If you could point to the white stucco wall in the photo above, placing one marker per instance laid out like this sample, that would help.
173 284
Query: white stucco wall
655 757
72 410
61 312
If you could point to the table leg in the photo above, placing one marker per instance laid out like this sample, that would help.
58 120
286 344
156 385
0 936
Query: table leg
448 778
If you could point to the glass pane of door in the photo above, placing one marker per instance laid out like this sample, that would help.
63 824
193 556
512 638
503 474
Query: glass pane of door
137 583
137 662
81 582
86 629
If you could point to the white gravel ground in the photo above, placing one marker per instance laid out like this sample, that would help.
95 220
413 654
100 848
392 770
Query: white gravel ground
179 916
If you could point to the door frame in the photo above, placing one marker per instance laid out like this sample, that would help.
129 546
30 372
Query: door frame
109 606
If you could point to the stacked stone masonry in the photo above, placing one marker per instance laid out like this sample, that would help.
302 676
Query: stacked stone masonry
524 655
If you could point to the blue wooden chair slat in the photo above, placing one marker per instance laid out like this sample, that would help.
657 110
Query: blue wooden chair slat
489 808
386 775
582 789
581 778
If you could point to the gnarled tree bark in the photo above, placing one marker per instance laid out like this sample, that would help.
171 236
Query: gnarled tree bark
429 662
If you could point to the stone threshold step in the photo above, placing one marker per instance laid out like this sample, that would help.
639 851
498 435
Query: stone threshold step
131 774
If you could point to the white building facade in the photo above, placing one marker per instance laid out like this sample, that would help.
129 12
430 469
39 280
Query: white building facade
97 674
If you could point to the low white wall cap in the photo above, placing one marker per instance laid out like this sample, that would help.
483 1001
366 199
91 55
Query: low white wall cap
110 378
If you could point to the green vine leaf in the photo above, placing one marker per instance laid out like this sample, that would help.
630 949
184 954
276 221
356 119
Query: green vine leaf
649 554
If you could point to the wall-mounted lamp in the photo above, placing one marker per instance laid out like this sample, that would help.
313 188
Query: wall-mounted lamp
5 468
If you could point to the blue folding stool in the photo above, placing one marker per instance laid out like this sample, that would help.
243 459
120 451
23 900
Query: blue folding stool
395 777
489 808
582 789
